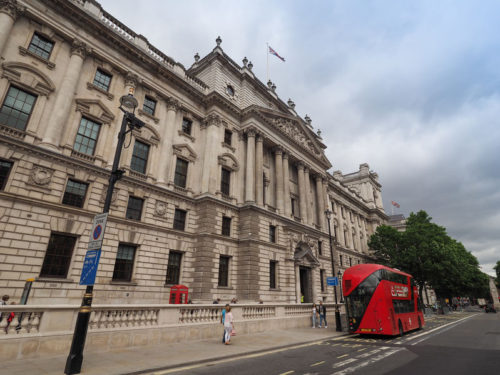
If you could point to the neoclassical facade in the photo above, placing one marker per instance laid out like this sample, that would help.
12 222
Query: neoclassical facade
225 187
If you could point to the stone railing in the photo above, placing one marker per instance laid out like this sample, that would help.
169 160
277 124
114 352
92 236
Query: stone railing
28 320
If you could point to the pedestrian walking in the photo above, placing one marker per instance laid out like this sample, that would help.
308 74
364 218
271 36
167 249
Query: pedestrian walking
314 315
222 319
322 314
10 318
3 302
228 325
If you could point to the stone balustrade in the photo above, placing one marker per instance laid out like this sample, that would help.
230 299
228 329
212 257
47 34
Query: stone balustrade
37 330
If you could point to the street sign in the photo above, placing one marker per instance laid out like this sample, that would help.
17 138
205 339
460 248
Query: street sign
90 264
97 232
332 281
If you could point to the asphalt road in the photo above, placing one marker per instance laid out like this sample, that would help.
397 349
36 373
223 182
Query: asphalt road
460 343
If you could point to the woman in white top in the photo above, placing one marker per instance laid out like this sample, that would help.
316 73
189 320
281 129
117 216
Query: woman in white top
228 325
314 315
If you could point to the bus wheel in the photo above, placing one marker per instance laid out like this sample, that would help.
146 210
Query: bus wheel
401 332
419 324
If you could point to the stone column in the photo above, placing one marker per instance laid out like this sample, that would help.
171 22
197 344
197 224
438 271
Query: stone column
302 193
211 171
259 173
321 202
297 282
278 162
307 184
9 11
250 167
286 187
60 113
165 149
340 233
314 279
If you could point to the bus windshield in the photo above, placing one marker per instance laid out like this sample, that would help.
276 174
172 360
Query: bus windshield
357 301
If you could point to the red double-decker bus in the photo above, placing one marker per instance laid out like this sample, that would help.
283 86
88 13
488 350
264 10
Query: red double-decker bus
381 300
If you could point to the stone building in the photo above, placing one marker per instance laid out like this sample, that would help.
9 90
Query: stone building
225 187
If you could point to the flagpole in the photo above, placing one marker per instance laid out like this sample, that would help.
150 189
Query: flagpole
267 53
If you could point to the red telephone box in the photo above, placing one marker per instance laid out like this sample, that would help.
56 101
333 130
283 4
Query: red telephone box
178 294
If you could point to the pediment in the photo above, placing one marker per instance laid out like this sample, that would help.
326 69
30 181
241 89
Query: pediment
94 108
185 151
303 253
229 161
28 77
148 133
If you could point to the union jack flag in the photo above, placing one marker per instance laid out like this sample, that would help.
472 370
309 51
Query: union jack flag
395 204
273 52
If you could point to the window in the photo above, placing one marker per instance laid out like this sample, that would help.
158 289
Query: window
140 157
223 271
293 203
58 256
230 90
226 226
350 262
228 134
149 106
335 232
75 193
134 208
359 261
41 46
272 274
340 260
174 267
86 138
17 108
5 167
272 233
124 264
180 177
102 80
320 248
179 219
187 125
322 278
225 181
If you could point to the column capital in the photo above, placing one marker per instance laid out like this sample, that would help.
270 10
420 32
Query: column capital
79 48
131 79
319 178
300 165
251 132
259 138
11 8
278 150
172 104
285 155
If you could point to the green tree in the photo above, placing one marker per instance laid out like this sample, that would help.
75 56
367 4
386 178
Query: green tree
431 256
497 270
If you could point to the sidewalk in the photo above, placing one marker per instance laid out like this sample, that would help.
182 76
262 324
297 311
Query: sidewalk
126 361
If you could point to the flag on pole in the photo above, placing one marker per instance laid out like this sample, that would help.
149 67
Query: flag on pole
395 204
273 52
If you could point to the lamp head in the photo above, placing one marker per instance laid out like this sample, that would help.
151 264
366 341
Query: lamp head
128 101
328 214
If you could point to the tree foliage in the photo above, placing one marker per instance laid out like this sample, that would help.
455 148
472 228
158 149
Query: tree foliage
426 251
497 270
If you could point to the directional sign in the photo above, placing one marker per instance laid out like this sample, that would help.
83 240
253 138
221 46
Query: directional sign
97 233
90 265
333 281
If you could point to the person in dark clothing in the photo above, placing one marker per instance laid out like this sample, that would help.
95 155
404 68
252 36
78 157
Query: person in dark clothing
322 314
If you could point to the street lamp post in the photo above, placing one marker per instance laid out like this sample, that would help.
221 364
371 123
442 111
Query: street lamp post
339 275
75 357
338 323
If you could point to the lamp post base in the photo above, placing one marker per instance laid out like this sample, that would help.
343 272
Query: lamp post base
338 323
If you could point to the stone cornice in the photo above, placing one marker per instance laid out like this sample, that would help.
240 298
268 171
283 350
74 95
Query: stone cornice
11 8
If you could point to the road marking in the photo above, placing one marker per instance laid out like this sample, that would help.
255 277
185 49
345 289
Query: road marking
433 330
232 359
288 372
317 363
343 363
342 356
366 363
360 350
444 330
367 354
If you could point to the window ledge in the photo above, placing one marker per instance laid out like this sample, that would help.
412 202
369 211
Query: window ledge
145 114
47 279
124 283
188 136
224 144
275 289
225 287
91 86
23 51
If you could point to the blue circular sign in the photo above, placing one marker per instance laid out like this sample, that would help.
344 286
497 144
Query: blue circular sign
97 231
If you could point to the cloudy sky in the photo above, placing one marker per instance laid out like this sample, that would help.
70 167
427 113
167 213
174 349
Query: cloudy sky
411 88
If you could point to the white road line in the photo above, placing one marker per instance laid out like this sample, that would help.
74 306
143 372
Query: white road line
366 363
432 330
367 354
343 363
